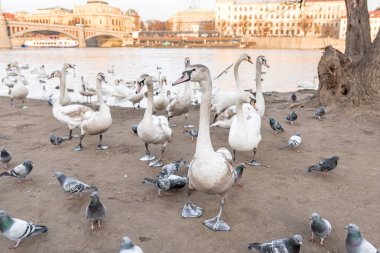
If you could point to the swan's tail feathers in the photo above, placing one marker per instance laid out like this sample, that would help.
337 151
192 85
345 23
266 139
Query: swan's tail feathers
254 246
150 181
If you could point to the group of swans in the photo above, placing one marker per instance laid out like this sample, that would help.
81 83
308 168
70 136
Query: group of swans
79 116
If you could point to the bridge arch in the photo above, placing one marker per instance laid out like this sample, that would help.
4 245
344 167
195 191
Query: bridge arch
43 29
104 35
104 40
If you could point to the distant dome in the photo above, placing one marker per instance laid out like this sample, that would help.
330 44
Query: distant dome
96 2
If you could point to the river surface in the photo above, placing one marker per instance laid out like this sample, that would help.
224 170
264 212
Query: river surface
287 67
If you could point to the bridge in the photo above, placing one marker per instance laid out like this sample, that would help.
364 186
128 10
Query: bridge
12 33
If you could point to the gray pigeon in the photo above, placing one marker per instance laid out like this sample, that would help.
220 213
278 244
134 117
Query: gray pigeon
319 113
134 128
20 171
294 141
18 230
325 165
275 125
95 211
172 182
127 246
56 140
292 117
193 133
171 168
5 157
293 97
287 245
319 227
239 173
72 185
355 243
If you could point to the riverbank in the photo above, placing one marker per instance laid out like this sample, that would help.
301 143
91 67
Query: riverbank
274 202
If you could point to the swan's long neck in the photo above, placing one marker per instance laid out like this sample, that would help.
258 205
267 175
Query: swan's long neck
259 93
204 145
64 78
99 92
62 88
239 102
149 106
19 79
187 92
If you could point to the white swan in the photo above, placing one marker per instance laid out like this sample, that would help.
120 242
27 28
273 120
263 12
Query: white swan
161 101
72 114
245 132
152 129
209 172
136 98
19 91
96 122
9 83
224 120
86 91
181 104
308 85
66 99
260 102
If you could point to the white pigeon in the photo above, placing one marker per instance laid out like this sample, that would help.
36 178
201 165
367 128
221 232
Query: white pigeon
294 141
127 246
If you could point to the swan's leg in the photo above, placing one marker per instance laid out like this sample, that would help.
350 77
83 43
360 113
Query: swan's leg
190 210
158 163
79 147
216 116
253 162
148 157
12 102
70 134
187 123
100 146
216 223
234 156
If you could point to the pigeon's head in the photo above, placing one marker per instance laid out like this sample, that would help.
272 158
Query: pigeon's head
352 229
3 217
3 151
297 239
272 121
94 197
126 243
28 163
315 217
58 174
336 158
298 134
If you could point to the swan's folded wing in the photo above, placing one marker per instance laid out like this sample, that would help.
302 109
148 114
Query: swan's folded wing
75 111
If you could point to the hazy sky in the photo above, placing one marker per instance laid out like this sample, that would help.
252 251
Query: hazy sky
148 9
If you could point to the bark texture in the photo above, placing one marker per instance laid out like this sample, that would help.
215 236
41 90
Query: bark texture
354 76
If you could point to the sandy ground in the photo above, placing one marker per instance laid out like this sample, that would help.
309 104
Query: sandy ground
274 202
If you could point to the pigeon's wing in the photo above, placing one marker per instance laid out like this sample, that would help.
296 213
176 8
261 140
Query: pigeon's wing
365 246
20 171
74 186
270 247
96 212
22 229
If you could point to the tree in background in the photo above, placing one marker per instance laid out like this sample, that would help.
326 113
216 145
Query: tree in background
306 24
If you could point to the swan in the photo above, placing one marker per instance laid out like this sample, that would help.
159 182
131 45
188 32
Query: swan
66 99
244 133
224 120
209 172
308 85
19 91
260 102
111 70
161 101
152 129
9 83
135 98
96 122
85 91
70 114
181 104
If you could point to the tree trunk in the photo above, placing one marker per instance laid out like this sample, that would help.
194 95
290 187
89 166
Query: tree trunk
352 77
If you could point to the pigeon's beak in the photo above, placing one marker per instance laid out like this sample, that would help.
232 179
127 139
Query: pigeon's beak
310 218
300 243
346 227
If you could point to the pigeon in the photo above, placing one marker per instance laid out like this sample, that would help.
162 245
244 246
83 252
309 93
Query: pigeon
18 230
171 168
20 171
193 133
275 125
320 227
292 117
5 157
294 141
95 211
72 185
325 165
172 182
56 140
319 113
287 245
127 246
238 171
355 243
293 97
134 128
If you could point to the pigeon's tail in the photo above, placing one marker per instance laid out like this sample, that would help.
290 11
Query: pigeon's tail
313 167
150 181
254 246
6 174
39 229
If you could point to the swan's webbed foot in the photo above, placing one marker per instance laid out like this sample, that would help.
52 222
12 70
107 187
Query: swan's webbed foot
102 147
217 224
79 147
158 163
147 158
191 211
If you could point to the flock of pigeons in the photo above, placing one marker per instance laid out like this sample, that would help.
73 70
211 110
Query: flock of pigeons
18 230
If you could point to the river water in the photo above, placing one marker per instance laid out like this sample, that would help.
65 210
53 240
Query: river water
287 67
